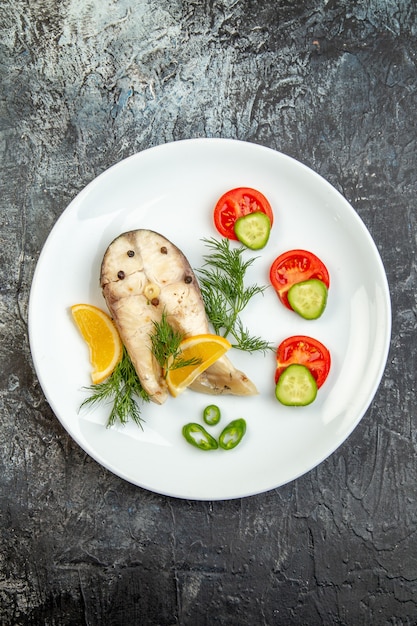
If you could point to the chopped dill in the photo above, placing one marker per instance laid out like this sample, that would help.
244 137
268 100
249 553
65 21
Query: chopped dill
123 388
225 295
166 346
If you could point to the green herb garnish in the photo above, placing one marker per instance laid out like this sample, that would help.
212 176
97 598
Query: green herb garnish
122 388
225 295
166 346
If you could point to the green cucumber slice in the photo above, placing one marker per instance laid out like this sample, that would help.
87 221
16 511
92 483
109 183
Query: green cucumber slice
308 298
253 230
296 386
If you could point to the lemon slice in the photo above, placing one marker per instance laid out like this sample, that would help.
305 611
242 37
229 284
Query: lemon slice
102 338
206 349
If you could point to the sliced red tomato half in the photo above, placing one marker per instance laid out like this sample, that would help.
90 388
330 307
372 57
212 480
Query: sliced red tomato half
304 351
293 267
237 203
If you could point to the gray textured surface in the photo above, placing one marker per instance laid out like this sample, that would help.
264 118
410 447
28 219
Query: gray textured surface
85 84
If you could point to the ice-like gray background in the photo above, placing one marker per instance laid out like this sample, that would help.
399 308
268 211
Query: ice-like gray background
85 83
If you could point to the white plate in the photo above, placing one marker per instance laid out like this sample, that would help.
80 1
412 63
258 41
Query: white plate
172 189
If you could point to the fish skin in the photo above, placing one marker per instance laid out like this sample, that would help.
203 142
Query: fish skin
158 262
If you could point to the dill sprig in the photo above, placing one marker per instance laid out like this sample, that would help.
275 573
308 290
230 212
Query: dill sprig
225 295
122 387
166 343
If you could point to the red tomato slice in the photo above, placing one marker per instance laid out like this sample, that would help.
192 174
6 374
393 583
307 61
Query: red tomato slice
293 267
237 203
304 351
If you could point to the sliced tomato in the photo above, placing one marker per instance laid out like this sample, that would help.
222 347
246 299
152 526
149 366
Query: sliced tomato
304 351
237 203
295 266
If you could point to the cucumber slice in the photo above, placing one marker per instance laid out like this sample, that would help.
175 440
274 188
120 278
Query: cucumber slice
296 386
253 230
308 298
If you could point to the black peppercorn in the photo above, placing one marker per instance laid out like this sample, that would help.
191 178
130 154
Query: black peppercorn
188 280
130 253
121 274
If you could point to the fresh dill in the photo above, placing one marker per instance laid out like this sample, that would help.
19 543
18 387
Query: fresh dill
225 295
123 388
166 342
